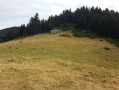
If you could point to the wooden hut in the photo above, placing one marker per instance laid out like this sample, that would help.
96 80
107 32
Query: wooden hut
54 31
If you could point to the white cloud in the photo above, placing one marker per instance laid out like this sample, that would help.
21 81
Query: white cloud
17 12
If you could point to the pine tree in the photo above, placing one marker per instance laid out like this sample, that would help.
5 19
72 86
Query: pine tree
34 25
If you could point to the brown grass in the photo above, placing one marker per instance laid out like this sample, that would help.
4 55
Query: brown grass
52 62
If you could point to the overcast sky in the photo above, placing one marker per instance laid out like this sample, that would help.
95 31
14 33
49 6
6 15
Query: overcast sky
17 12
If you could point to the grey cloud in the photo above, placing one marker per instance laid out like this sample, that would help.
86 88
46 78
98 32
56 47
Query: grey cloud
12 11
17 12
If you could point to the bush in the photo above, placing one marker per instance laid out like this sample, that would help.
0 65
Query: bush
84 33
106 48
113 41
101 40
65 35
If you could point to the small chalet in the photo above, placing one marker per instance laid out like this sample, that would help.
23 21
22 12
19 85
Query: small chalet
54 31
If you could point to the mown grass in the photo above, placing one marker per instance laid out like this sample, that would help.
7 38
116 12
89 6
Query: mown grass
52 62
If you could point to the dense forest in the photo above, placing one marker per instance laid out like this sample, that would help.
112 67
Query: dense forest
102 22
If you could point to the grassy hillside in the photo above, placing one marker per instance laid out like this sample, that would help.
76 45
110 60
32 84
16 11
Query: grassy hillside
52 62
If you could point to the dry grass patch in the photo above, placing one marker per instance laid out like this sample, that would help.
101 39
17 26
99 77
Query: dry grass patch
52 62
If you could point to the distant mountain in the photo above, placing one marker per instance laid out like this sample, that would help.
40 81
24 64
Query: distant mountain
3 32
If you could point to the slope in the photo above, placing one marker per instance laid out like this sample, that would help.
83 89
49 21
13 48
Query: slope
52 62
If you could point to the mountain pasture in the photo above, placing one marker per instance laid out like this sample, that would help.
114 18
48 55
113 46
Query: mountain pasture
51 62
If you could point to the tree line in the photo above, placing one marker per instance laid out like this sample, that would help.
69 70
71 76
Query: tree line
34 26
102 22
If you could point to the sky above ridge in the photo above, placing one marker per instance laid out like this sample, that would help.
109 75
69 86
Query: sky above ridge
17 12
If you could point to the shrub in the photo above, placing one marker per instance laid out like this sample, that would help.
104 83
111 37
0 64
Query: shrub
113 41
65 35
101 40
84 33
106 48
